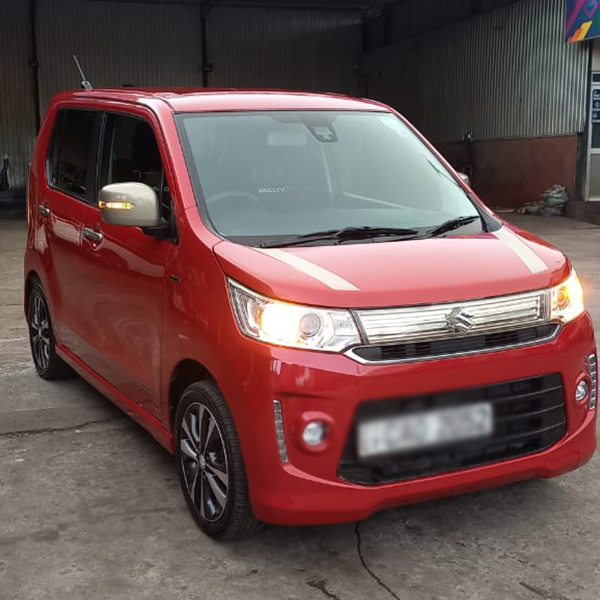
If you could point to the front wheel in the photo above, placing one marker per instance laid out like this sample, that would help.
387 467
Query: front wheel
210 464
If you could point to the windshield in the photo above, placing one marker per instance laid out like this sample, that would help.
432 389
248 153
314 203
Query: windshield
279 175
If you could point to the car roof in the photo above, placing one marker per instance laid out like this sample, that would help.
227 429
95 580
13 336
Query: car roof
225 99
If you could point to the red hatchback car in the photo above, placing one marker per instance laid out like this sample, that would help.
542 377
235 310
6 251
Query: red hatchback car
298 297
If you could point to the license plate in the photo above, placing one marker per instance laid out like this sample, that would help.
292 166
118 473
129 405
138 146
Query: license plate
425 429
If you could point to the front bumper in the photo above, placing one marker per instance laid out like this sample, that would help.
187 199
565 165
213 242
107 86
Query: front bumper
307 489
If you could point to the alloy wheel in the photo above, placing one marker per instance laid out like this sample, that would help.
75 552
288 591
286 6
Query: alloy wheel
40 333
204 461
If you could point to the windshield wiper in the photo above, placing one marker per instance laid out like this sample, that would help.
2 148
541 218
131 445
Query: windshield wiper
451 225
342 235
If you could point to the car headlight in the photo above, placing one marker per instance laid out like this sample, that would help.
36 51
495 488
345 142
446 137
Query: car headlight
566 300
285 324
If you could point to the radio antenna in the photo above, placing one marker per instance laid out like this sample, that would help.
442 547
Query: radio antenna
85 84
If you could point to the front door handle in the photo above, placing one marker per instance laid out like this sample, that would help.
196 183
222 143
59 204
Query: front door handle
90 234
44 210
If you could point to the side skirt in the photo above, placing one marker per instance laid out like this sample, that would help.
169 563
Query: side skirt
162 435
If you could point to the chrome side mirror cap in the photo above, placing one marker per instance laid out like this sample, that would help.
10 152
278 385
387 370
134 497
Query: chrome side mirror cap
132 204
465 178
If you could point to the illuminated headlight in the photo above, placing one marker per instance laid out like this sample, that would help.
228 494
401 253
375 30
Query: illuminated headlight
567 300
285 324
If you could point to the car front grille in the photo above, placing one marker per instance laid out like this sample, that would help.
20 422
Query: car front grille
453 329
529 416
472 344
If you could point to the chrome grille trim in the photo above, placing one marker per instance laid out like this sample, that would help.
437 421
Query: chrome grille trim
430 322
352 354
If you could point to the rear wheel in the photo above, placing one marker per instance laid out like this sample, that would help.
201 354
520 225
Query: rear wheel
210 465
41 338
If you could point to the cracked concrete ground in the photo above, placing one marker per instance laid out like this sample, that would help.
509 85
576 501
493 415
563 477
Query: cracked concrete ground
90 506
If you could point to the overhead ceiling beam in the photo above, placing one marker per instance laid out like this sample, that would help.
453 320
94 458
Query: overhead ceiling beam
358 5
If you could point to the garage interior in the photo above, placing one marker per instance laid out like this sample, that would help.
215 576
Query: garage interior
91 504
490 82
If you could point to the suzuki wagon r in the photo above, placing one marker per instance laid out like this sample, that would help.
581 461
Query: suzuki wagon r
298 297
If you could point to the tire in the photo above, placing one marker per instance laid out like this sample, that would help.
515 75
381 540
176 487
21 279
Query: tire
210 464
41 338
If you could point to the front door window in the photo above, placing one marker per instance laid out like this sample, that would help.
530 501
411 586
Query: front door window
131 153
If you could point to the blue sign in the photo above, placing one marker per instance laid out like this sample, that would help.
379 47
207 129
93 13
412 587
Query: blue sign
595 106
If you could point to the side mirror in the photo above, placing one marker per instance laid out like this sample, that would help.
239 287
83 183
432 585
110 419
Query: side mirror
466 179
132 204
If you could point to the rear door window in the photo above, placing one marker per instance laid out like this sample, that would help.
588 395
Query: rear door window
72 152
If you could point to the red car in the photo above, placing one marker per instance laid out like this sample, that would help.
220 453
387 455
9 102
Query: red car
298 297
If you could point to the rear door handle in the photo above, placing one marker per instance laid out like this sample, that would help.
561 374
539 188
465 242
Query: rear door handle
90 234
44 210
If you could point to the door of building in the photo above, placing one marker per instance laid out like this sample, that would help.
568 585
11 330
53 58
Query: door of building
593 170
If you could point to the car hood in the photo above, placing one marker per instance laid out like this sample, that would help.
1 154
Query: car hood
401 273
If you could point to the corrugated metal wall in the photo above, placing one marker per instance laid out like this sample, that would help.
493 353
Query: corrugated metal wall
117 43
157 43
404 18
284 47
17 108
507 73
411 17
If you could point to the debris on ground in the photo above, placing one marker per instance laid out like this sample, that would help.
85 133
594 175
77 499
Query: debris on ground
551 204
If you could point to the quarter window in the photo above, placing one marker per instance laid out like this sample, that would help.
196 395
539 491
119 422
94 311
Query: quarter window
70 153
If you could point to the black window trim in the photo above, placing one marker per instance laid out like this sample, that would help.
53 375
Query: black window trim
90 198
105 115
174 238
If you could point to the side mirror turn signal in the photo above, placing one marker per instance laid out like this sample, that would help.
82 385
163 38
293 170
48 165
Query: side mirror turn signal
132 204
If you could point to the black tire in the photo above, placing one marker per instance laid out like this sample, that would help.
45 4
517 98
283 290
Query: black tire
210 464
47 363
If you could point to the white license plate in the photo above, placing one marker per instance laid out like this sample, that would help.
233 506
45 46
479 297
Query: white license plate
425 429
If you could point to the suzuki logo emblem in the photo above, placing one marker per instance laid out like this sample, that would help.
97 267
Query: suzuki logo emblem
459 320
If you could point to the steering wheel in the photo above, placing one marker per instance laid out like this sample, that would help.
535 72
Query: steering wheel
232 200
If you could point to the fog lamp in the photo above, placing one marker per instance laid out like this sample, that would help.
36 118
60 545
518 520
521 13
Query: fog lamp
582 390
314 433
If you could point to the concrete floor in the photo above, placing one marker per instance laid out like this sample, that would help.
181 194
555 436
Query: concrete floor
90 507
